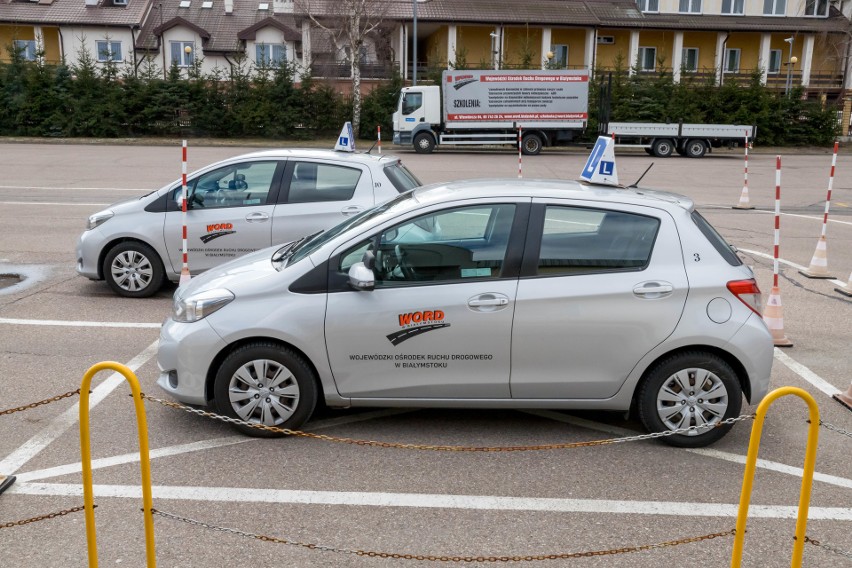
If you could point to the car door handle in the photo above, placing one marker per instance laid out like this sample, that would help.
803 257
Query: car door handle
488 302
652 290
257 217
351 210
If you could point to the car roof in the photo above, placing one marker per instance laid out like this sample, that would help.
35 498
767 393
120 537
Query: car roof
321 153
548 188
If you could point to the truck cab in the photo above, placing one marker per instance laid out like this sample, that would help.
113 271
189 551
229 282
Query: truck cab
418 109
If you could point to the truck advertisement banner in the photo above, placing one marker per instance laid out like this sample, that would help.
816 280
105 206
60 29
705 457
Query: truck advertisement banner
515 96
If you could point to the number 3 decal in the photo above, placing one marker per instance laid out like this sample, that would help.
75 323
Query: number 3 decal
697 257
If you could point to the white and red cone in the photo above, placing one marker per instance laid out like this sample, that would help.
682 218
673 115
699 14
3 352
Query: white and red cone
773 315
744 200
819 262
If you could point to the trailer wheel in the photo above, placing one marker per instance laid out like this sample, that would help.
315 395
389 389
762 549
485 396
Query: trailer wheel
696 148
663 148
424 143
531 145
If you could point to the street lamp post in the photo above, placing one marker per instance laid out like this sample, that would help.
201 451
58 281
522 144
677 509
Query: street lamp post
790 61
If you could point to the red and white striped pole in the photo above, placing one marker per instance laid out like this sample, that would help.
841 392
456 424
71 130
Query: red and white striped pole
184 271
379 133
773 314
819 262
744 201
520 172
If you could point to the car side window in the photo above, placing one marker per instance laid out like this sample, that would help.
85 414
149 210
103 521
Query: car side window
455 245
236 185
580 241
311 182
411 102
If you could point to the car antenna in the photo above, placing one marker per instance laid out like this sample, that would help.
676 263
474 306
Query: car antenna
371 147
636 183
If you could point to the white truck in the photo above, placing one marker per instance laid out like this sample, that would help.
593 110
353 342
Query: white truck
690 140
488 107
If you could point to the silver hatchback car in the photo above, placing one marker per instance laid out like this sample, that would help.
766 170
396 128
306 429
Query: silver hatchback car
235 206
483 294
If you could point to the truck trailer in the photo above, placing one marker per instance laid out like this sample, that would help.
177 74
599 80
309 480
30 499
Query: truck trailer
550 107
690 140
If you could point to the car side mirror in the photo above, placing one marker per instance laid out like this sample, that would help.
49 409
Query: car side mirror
361 277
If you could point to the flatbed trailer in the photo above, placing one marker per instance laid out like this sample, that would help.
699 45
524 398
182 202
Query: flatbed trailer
690 140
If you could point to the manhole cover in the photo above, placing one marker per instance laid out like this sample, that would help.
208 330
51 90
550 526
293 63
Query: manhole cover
7 280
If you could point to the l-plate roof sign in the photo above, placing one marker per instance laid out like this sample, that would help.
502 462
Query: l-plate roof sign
600 167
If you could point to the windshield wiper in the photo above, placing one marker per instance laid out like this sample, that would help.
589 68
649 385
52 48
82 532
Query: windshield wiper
292 247
303 241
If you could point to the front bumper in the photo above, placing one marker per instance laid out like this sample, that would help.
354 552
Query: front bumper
184 356
89 246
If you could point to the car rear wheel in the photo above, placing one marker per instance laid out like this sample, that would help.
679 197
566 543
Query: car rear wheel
695 390
265 384
134 270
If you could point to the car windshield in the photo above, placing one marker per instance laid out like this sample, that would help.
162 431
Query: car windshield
401 178
307 247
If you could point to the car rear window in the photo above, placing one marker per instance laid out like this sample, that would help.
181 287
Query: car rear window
718 242
401 178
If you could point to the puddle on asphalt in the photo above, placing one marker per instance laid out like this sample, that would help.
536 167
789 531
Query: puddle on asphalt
17 277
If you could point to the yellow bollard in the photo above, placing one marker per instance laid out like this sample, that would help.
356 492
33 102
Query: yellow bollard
144 461
807 475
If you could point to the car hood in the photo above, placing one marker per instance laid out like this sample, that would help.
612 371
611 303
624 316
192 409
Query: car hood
243 274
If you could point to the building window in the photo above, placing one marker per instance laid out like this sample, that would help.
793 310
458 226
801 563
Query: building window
647 58
690 59
690 6
109 50
649 5
270 54
27 49
732 60
817 8
560 56
181 56
733 7
774 7
774 62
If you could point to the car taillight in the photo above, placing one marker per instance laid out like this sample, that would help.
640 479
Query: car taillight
747 292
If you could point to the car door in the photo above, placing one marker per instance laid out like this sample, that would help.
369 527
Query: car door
599 289
438 323
317 195
229 214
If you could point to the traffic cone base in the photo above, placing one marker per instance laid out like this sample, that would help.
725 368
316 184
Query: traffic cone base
819 262
773 315
6 482
184 277
844 398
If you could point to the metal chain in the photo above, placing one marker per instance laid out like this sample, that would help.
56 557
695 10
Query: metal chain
42 518
828 547
834 428
435 448
39 403
403 556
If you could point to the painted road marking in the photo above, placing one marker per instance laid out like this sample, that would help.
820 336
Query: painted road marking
806 373
726 456
66 323
199 446
785 262
432 501
53 203
59 425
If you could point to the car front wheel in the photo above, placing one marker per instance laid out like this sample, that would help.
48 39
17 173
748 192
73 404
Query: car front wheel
134 270
265 384
692 390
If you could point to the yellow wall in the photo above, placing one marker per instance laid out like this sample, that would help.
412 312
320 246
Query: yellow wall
477 41
50 38
52 52
663 41
749 46
706 44
575 40
436 47
608 54
518 42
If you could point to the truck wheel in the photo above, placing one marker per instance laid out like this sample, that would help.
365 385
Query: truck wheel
531 145
663 148
424 143
696 148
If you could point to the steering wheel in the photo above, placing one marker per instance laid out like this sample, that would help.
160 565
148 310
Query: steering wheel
402 264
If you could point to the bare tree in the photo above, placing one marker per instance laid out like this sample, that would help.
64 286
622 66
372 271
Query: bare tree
348 23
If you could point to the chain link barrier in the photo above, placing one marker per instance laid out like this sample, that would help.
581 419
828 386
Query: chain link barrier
437 448
433 558
40 403
833 428
41 518
828 547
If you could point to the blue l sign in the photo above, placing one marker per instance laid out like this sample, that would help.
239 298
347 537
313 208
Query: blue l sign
607 168
594 159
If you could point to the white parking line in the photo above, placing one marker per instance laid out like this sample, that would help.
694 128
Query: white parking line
74 188
53 203
432 501
67 323
786 262
59 425
806 373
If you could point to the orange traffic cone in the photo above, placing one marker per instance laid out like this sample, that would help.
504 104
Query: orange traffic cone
744 201
845 289
774 317
819 262
844 398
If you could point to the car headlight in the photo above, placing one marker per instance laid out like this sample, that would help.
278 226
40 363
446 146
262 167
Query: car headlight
98 219
199 306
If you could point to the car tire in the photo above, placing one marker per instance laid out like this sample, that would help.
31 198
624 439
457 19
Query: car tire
696 148
424 143
133 270
673 395
253 372
663 147
531 144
